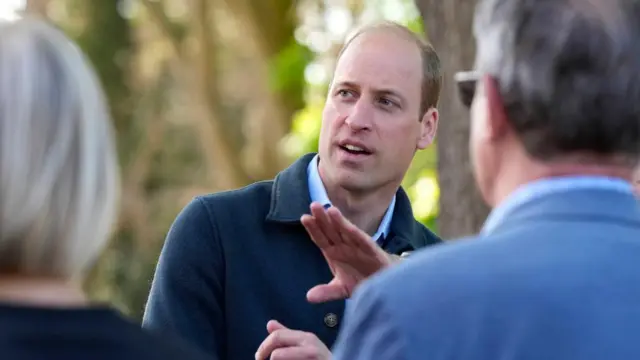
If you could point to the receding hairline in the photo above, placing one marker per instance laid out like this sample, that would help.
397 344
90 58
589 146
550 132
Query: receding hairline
430 69
384 27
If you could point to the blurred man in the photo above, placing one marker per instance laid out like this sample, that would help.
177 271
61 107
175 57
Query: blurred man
555 136
235 261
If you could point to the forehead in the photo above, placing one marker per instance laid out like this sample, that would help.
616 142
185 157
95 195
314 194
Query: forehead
382 60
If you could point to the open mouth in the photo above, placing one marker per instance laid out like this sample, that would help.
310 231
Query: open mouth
355 150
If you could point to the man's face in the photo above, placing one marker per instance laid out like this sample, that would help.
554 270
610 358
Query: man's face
371 123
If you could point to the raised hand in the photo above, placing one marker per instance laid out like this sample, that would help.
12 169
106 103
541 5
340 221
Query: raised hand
351 254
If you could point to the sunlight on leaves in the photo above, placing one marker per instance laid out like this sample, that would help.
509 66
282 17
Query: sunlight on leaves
305 131
424 194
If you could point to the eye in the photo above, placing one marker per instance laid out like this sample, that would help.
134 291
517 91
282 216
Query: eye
387 103
344 93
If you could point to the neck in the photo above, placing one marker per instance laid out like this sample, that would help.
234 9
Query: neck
521 172
366 209
44 292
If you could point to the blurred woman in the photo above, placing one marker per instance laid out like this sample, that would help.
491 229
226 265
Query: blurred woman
58 198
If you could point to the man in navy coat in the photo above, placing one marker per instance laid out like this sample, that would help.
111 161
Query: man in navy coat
555 272
236 266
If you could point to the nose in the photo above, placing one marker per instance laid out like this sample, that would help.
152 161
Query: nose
360 117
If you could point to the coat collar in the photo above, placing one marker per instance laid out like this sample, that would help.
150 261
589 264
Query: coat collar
604 205
290 200
290 197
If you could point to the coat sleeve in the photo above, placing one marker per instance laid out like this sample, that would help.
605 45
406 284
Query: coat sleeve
369 330
187 292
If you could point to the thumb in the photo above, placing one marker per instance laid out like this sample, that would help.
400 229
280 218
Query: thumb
274 325
326 292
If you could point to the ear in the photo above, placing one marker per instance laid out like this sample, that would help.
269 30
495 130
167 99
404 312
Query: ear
428 128
497 121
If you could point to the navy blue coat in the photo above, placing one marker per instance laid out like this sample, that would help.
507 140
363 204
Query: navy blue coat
234 260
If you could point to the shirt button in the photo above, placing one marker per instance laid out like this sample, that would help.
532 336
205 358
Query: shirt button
331 320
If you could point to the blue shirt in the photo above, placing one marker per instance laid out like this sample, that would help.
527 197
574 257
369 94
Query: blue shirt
319 194
540 188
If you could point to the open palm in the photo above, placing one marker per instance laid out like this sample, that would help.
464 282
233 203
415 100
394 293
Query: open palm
351 254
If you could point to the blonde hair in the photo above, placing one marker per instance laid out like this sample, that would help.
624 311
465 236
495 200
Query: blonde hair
58 164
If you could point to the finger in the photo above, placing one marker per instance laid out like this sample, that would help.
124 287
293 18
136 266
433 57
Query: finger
351 234
325 225
326 292
317 210
274 325
294 353
279 339
311 225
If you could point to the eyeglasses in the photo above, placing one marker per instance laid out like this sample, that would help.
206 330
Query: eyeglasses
466 83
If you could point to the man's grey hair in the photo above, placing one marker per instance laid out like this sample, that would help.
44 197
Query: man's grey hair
568 72
59 176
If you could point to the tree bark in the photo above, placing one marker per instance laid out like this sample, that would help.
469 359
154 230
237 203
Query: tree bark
448 25
230 172
198 74
270 27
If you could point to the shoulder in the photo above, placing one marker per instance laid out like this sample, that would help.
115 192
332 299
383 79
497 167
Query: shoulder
453 269
217 209
426 293
482 267
257 192
209 216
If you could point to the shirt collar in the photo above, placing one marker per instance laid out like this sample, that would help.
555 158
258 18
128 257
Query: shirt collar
537 189
318 194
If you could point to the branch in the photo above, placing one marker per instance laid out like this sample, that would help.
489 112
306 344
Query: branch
226 159
168 27
137 171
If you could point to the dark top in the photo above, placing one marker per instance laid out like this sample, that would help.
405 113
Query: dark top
234 260
31 333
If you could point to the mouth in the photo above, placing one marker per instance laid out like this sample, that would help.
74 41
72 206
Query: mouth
354 149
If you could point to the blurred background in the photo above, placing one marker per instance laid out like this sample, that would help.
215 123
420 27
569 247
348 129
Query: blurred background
210 95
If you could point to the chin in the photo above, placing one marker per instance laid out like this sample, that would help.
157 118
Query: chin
353 182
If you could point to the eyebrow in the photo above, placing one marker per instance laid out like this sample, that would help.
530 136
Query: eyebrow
379 92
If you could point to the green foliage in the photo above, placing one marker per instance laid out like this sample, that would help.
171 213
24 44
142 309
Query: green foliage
287 71
416 25
305 131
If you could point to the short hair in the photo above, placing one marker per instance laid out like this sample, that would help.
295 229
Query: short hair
58 164
431 69
568 72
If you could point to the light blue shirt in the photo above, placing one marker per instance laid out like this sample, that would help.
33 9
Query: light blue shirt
319 194
540 188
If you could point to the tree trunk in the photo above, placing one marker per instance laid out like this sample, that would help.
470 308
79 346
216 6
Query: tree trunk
448 26
108 42
270 27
